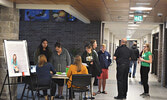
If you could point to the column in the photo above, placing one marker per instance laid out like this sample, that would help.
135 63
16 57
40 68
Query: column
9 29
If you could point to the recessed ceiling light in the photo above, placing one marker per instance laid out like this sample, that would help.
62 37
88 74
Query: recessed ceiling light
131 15
130 22
132 28
140 8
143 4
134 25
144 15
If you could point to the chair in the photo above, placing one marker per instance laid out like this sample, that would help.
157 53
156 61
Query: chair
82 81
33 86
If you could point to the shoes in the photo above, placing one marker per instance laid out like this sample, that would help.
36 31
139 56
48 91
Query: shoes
61 97
146 95
119 98
129 75
133 76
98 92
85 98
142 94
57 96
91 97
104 92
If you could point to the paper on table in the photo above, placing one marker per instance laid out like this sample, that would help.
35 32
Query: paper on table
85 64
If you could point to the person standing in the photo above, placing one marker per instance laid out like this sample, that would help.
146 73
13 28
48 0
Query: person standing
61 59
90 58
43 49
122 56
146 59
134 58
105 61
94 46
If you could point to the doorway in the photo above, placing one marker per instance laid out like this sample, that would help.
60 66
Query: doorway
155 53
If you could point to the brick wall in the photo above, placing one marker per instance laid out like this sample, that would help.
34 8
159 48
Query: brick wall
72 35
9 29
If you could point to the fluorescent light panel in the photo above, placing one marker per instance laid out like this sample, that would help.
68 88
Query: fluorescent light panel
143 4
133 25
140 8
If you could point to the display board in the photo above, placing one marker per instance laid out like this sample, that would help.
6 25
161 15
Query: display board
17 58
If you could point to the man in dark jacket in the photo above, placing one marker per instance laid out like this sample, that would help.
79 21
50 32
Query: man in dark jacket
134 58
122 56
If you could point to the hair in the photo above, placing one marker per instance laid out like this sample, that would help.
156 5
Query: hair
92 42
14 60
41 47
148 46
103 45
41 60
88 46
58 44
78 62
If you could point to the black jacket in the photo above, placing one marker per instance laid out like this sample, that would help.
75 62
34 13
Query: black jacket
94 69
135 53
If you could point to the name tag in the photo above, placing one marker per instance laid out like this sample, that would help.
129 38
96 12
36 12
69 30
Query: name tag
89 58
106 57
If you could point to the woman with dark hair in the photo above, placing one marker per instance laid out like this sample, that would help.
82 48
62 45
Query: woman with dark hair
94 46
43 49
90 58
76 68
146 60
44 72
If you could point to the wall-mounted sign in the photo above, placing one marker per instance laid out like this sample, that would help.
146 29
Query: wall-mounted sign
138 18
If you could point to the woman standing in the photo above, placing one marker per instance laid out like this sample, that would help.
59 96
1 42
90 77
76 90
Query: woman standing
90 58
43 49
44 72
76 68
145 59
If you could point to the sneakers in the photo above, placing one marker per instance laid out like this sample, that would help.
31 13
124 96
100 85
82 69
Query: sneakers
145 95
59 97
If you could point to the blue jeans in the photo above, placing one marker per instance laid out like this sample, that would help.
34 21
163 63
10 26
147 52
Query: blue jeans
134 68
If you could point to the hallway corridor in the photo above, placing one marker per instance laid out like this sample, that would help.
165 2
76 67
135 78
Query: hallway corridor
135 89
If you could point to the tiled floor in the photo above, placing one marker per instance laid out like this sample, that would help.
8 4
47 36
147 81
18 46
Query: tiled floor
156 91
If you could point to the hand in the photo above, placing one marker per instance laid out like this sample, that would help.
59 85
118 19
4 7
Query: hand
91 63
51 72
141 59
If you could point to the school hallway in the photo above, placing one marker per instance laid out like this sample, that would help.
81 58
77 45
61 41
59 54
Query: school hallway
134 88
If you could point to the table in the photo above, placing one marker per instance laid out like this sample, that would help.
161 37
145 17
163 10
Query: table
62 77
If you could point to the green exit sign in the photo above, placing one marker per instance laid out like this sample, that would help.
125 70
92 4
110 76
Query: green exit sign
138 18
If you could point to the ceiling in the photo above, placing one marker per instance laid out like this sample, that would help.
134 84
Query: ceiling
115 13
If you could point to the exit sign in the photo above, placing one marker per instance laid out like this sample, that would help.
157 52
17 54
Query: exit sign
138 18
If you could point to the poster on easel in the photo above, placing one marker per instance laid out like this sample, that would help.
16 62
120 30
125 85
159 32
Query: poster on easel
17 58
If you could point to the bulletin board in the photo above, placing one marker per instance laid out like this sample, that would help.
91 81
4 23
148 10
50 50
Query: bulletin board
17 59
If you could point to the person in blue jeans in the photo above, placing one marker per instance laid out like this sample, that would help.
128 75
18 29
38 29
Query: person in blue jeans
134 58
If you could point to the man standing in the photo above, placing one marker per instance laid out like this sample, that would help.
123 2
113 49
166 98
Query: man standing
105 61
61 59
122 56
134 58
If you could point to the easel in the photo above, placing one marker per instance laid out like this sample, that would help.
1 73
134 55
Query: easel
4 83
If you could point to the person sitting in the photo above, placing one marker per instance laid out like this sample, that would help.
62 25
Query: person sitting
76 68
44 72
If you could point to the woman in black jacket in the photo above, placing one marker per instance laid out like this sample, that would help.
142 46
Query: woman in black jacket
90 58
